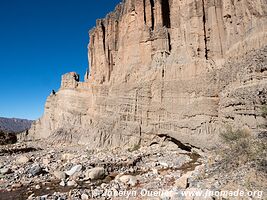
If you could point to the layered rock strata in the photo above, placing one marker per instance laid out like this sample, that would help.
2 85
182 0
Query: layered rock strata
182 69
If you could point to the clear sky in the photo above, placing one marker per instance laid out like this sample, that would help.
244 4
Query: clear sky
39 41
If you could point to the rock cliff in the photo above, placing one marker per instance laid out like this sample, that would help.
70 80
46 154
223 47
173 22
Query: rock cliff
176 68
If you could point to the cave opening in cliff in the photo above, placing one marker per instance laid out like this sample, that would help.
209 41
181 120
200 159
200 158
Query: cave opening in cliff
152 4
165 9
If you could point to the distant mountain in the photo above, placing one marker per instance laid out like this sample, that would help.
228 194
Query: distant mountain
13 125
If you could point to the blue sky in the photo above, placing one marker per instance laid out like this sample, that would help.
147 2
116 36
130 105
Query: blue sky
39 41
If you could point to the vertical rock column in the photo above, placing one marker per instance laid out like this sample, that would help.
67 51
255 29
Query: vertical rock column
214 29
158 13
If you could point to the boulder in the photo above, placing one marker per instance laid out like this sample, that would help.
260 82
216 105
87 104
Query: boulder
73 170
23 159
95 173
84 197
35 170
182 182
46 161
128 179
71 183
5 171
59 175
68 156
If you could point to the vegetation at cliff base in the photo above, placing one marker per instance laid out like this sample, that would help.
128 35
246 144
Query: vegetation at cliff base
243 148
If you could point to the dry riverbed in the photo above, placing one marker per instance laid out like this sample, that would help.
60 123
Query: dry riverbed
34 170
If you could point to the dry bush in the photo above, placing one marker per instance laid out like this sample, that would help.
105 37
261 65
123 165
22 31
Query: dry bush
243 148
134 148
264 111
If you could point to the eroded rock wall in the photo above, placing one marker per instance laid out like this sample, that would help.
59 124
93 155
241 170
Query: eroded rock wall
165 67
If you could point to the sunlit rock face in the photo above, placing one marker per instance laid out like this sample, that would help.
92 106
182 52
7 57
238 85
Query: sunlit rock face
186 69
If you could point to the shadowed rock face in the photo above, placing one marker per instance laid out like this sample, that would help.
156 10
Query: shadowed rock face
7 138
185 69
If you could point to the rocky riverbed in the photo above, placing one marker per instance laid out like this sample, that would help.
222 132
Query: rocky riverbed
40 171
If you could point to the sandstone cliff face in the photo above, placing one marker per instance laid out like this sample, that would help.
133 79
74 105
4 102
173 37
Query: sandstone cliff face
165 67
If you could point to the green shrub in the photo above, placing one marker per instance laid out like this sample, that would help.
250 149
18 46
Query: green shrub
243 148
134 148
230 135
264 111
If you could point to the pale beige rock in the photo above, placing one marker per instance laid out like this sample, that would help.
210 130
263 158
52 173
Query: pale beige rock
128 179
185 69
46 161
73 170
23 159
5 171
182 182
37 187
68 156
84 197
95 173
17 185
62 183
71 183
70 80
60 175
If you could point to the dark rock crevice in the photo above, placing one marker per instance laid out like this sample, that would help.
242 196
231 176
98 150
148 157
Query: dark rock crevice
144 5
177 142
169 42
135 106
152 5
116 35
205 31
165 9
110 63
104 36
